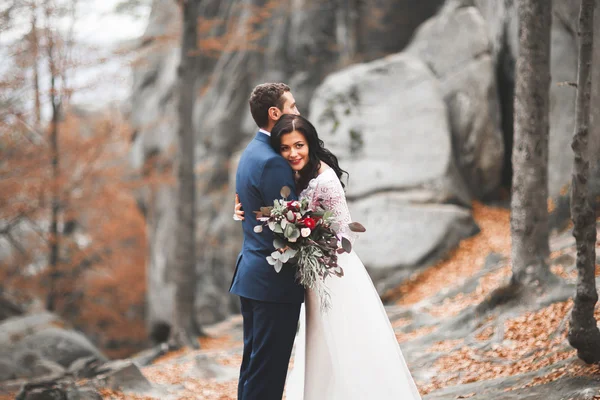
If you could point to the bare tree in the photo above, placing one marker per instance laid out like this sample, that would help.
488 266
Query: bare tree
55 103
529 214
583 330
347 30
35 45
185 329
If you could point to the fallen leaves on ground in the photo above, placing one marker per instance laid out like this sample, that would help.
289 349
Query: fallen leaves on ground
463 262
526 343
529 343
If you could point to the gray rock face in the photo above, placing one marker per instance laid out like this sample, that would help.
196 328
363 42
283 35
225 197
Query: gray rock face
298 44
7 370
386 121
371 116
125 376
62 389
455 45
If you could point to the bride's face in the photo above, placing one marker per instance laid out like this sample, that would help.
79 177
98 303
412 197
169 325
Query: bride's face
294 149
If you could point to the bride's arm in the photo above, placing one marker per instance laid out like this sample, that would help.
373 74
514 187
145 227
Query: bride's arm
238 213
330 196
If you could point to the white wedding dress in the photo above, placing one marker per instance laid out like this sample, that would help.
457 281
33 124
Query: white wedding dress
349 352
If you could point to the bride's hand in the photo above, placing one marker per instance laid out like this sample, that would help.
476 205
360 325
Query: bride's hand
238 214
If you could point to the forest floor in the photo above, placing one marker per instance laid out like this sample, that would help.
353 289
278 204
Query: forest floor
516 351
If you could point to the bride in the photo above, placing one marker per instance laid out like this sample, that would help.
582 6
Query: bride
348 352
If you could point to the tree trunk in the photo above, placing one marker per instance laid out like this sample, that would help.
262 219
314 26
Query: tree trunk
594 142
347 30
54 239
529 213
583 331
35 65
185 330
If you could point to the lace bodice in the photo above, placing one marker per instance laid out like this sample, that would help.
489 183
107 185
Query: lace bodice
327 192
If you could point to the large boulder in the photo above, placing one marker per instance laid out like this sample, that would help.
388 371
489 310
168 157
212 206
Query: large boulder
455 46
59 345
387 122
57 389
39 344
16 328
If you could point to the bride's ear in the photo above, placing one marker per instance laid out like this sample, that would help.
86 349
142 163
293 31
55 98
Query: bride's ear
274 113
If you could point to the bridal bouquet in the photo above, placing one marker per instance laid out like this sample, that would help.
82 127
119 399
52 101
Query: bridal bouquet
306 238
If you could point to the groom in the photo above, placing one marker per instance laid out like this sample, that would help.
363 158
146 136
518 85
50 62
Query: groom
270 301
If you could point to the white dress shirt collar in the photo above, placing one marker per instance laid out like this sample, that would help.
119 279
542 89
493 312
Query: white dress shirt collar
265 132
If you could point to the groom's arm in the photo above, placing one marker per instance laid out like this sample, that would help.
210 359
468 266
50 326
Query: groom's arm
276 174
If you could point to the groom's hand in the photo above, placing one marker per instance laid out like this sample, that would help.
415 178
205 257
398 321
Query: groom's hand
283 250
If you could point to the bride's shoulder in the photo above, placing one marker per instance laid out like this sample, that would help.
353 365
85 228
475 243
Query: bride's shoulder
324 168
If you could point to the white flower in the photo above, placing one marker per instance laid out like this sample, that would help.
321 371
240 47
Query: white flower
305 232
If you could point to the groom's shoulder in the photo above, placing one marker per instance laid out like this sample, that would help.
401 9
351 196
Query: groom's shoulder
258 152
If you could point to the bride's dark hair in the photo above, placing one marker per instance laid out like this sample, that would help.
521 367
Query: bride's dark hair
316 149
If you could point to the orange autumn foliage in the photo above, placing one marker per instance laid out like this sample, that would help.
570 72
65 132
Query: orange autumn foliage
100 278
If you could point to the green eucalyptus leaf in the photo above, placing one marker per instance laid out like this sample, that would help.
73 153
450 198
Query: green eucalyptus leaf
292 252
278 265
288 231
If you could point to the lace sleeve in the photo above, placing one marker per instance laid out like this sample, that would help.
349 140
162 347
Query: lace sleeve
329 194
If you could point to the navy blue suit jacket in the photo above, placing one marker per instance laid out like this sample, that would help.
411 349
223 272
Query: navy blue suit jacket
261 174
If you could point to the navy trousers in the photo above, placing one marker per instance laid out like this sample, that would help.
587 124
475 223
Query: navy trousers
269 331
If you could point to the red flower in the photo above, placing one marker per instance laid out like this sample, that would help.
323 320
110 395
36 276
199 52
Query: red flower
309 222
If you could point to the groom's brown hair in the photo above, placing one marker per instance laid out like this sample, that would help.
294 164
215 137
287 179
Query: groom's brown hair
263 97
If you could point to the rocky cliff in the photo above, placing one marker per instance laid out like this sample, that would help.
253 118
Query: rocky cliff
416 100
243 44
